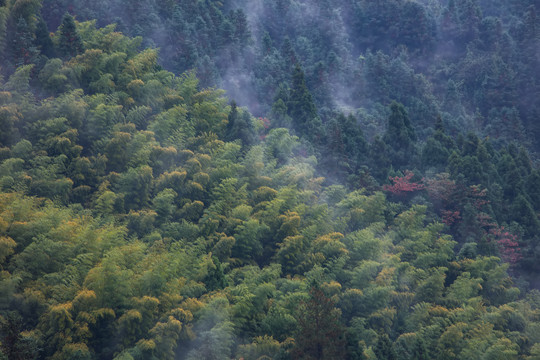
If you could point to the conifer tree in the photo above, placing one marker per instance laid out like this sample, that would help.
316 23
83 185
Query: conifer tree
400 137
24 51
379 158
287 51
320 335
240 126
437 148
301 107
69 42
43 41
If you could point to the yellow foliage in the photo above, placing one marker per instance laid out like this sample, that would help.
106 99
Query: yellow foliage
85 299
146 345
331 288
7 246
182 315
195 186
131 316
439 311
264 193
192 305
59 317
385 277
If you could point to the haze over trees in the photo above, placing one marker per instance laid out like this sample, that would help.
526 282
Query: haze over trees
367 187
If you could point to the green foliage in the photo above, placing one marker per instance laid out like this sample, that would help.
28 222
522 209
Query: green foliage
69 41
301 108
400 137
141 217
320 335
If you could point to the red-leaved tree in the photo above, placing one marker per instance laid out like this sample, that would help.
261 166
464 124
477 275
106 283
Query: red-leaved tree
508 245
403 184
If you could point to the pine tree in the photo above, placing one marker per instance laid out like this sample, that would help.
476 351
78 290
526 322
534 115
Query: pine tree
287 51
24 50
522 212
379 159
533 188
69 42
43 41
400 137
240 126
346 146
320 335
232 119
301 107
438 148
241 27
267 44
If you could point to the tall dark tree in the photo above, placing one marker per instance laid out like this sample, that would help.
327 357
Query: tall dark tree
533 188
380 161
320 334
24 50
437 148
301 107
43 40
69 43
215 279
400 137
288 53
346 147
240 126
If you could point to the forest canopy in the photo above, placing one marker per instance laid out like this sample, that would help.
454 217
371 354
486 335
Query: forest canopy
382 203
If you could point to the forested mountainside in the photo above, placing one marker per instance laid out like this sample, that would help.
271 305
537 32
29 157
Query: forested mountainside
381 204
474 62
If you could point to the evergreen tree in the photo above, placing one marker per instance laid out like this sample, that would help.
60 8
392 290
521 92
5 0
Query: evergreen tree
69 41
24 50
43 40
354 140
400 137
301 107
533 188
240 126
437 148
346 146
267 44
380 161
522 212
279 111
288 53
320 335
509 173
241 26
4 16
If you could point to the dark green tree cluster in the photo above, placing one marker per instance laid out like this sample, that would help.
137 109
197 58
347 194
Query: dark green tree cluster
472 61
202 35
